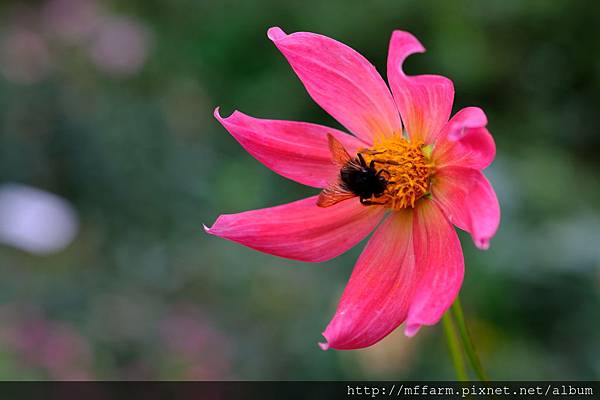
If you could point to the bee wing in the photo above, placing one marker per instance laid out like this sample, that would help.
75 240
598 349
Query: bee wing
335 193
339 155
332 195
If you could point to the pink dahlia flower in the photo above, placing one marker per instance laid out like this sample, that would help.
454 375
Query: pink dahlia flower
409 185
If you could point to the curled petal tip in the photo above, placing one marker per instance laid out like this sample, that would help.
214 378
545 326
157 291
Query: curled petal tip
218 116
482 243
470 117
275 33
206 228
408 41
324 346
411 330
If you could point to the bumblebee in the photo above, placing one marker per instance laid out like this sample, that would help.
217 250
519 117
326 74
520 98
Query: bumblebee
356 178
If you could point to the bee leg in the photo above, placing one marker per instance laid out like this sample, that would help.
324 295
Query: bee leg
390 162
362 161
381 171
373 152
367 202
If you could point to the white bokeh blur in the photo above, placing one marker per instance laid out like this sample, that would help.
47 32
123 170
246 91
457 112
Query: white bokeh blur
34 220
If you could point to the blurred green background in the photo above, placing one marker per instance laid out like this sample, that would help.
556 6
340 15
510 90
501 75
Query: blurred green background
109 106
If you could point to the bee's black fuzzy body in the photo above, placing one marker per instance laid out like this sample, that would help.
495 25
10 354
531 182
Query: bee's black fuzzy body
362 180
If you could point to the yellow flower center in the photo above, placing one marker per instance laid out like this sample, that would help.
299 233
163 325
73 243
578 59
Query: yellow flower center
405 166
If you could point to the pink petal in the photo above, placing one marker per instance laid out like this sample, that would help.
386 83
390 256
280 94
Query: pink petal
465 141
300 230
341 81
440 264
468 201
296 150
424 101
377 297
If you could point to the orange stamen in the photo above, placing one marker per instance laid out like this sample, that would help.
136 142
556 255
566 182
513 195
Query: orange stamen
406 168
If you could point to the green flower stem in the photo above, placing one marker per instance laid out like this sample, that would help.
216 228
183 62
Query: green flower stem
454 347
459 317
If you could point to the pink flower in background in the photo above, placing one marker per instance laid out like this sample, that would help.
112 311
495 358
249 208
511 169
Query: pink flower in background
71 20
35 45
195 342
120 45
412 184
52 346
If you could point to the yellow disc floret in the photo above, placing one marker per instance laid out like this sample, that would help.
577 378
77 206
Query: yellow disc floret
405 166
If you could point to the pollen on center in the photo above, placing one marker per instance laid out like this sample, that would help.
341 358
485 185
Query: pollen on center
406 168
